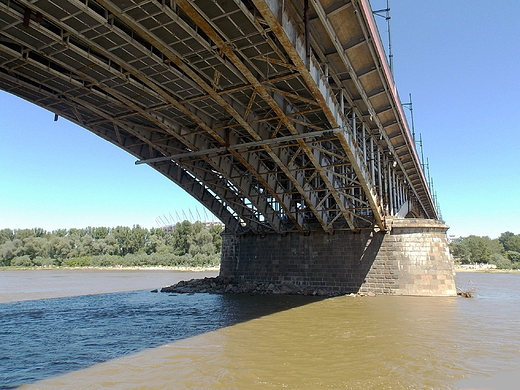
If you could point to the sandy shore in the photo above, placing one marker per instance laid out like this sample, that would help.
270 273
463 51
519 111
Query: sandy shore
489 271
187 269
31 284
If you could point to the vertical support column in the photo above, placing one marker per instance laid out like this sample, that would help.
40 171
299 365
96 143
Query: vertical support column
399 195
354 130
325 82
395 190
379 174
391 190
385 174
352 194
372 162
363 134
230 259
342 103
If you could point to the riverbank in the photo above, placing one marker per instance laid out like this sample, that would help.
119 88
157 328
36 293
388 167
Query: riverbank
216 269
37 284
144 268
488 271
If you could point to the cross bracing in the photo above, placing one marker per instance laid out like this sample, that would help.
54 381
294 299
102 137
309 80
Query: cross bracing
277 116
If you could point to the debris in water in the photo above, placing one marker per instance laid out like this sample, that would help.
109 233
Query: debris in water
469 292
465 294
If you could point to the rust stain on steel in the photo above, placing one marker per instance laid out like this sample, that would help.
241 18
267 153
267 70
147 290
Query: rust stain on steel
278 30
267 14
194 15
211 92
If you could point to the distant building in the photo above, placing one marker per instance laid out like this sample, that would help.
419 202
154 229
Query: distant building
208 224
452 238
168 229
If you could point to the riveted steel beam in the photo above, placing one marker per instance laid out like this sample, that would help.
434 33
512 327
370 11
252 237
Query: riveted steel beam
231 102
216 38
271 141
159 123
318 89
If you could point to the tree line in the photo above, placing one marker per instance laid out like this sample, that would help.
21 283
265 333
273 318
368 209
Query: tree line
187 244
503 251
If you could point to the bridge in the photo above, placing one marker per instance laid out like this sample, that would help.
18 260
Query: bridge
281 117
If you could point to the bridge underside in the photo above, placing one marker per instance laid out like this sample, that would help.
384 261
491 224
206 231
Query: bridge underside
277 116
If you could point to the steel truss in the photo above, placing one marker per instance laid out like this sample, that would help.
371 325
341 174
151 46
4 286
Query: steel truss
277 116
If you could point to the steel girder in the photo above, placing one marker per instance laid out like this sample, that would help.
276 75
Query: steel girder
218 97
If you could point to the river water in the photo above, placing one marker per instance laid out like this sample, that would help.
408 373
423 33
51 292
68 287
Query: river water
135 339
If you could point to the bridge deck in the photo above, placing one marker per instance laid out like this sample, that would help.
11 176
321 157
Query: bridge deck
277 116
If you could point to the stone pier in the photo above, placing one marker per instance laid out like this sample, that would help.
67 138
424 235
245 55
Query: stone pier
411 259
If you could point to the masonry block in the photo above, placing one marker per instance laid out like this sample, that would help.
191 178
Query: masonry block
410 259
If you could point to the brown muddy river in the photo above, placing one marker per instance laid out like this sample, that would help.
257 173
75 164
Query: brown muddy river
140 340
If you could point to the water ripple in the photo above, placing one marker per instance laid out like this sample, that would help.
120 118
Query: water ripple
48 337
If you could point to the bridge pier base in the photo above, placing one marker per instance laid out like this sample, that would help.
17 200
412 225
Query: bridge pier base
412 259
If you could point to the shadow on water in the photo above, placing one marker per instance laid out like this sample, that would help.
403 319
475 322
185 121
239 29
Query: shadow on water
44 338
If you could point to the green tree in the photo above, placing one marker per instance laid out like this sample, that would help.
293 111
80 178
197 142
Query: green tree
38 232
61 248
22 261
76 232
460 250
202 243
6 235
182 237
513 256
83 261
100 233
188 244
60 233
510 241
109 245
139 237
123 239
36 246
23 234
500 261
86 246
216 231
475 249
11 249
196 228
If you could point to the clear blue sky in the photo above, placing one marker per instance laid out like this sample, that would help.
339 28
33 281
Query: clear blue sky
459 59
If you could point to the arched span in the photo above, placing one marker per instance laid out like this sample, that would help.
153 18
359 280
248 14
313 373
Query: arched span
226 100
